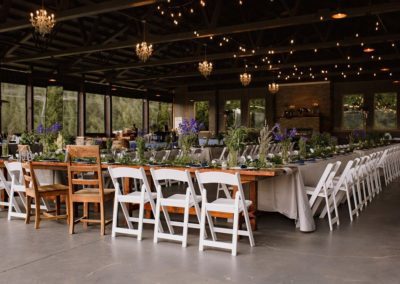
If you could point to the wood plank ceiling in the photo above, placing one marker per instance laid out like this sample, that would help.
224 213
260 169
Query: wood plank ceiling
281 40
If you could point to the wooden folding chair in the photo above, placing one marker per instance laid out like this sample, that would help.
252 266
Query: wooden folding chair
86 190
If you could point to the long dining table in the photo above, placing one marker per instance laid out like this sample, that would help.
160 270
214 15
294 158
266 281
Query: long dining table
249 178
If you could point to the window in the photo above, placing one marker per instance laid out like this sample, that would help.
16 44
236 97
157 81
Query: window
201 113
385 110
353 113
126 112
160 116
54 105
13 112
232 113
39 106
70 112
257 113
94 113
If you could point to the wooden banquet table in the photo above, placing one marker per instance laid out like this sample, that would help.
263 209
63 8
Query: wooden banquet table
248 177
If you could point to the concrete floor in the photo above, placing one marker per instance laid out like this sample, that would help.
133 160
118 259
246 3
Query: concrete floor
366 251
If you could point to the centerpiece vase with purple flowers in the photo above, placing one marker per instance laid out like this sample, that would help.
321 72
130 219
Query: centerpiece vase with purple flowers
284 138
188 135
47 136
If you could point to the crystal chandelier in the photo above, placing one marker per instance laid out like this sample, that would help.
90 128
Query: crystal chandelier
273 88
42 22
205 67
245 79
143 49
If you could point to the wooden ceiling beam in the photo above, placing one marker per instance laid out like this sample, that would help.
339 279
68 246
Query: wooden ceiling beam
84 11
260 52
232 29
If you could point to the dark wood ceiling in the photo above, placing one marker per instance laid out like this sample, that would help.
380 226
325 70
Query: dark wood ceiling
284 40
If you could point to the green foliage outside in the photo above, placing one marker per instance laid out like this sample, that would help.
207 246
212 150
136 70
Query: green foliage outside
353 115
160 115
94 113
39 106
54 105
70 113
233 115
126 112
201 109
385 113
257 113
13 113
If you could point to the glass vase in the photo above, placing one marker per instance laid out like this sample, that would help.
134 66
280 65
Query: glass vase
285 152
4 149
232 158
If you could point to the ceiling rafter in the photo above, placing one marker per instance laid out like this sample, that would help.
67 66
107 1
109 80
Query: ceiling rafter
230 29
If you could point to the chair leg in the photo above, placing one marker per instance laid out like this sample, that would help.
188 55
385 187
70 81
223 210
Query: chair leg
185 224
58 205
102 219
115 217
37 212
202 225
235 227
157 220
85 213
71 217
28 209
140 225
67 208
10 204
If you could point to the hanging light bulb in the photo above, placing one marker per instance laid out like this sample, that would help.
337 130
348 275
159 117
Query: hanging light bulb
143 49
42 21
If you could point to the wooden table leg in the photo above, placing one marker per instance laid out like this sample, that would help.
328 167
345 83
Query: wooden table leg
253 207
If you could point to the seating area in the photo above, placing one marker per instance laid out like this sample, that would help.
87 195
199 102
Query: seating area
199 141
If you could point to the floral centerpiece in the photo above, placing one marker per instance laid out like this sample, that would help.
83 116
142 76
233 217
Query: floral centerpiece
188 136
284 138
302 148
48 136
234 141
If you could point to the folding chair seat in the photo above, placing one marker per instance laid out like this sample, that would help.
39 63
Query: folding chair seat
185 201
141 197
238 205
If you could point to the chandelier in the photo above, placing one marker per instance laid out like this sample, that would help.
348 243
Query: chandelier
245 79
273 88
143 49
205 67
42 22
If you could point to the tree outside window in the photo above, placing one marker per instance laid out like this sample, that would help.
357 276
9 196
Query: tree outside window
385 110
201 110
354 116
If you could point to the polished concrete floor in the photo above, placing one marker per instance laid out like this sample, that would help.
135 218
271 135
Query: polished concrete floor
366 251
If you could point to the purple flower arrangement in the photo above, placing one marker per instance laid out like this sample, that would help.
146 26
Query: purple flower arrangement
282 135
188 127
53 129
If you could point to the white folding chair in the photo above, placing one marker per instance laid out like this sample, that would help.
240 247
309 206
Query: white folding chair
226 205
17 186
186 201
324 191
6 186
141 197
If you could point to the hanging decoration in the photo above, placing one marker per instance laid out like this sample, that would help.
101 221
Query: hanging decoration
143 49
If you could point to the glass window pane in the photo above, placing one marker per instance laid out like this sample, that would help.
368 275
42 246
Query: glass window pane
257 113
70 112
385 110
126 112
160 116
201 113
39 109
54 105
13 113
232 113
94 113
353 114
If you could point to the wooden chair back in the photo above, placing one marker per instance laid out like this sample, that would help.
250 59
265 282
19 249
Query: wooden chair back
29 179
77 170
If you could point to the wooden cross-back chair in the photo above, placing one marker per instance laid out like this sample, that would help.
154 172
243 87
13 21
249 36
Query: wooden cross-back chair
34 191
86 185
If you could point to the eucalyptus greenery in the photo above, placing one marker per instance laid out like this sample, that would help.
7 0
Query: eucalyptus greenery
140 147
